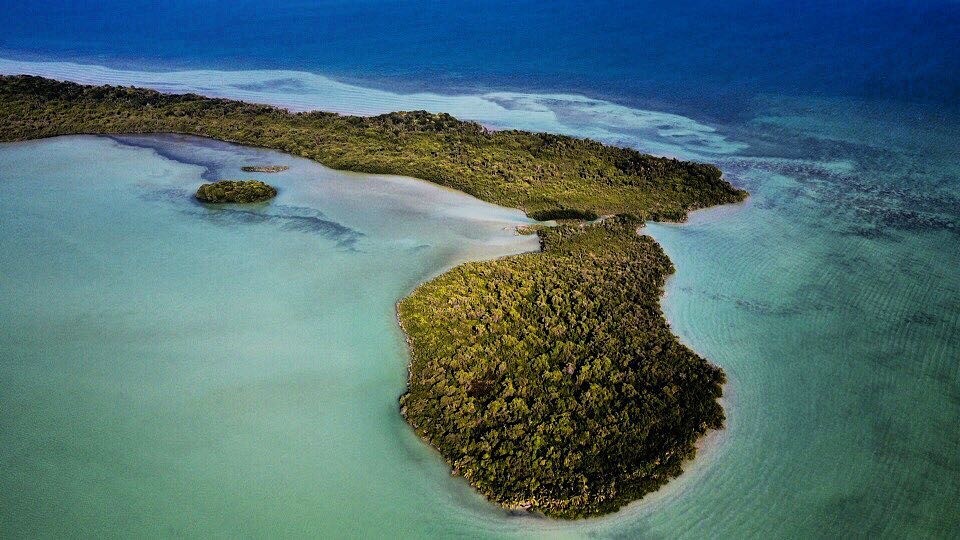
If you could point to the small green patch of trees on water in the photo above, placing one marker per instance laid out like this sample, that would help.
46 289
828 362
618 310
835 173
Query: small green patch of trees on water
236 191
551 381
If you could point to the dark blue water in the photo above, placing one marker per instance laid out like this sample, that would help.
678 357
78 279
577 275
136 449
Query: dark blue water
717 53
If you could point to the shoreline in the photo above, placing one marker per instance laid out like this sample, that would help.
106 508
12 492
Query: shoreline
703 448
710 446
706 445
664 133
699 186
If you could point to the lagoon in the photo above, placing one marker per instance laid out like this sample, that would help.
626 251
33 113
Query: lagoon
171 368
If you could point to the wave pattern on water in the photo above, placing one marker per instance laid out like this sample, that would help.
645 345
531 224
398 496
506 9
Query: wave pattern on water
653 131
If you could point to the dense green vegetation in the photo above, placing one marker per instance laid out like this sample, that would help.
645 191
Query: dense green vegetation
236 191
548 176
551 380
264 168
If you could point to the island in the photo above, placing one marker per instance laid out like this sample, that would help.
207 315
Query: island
264 168
550 381
236 191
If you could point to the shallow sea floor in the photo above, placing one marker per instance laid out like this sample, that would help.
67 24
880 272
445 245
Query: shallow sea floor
168 368
831 298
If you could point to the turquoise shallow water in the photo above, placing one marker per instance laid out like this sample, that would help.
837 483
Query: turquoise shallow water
831 298
169 368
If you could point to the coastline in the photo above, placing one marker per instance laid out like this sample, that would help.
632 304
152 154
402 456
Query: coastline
710 447
706 446
652 131
422 358
291 388
672 467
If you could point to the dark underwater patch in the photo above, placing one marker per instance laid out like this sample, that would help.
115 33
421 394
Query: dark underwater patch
287 218
288 85
921 199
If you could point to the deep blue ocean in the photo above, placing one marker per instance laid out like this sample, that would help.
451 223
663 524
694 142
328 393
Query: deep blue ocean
699 54
831 297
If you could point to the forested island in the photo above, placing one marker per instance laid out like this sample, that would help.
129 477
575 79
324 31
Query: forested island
550 380
236 191
548 176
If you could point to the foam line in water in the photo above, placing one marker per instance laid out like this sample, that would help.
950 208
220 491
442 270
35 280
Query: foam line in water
652 131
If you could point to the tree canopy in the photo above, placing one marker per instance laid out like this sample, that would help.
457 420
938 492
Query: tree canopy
551 380
236 191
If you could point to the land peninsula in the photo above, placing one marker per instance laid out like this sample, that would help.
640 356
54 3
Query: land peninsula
236 191
550 381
